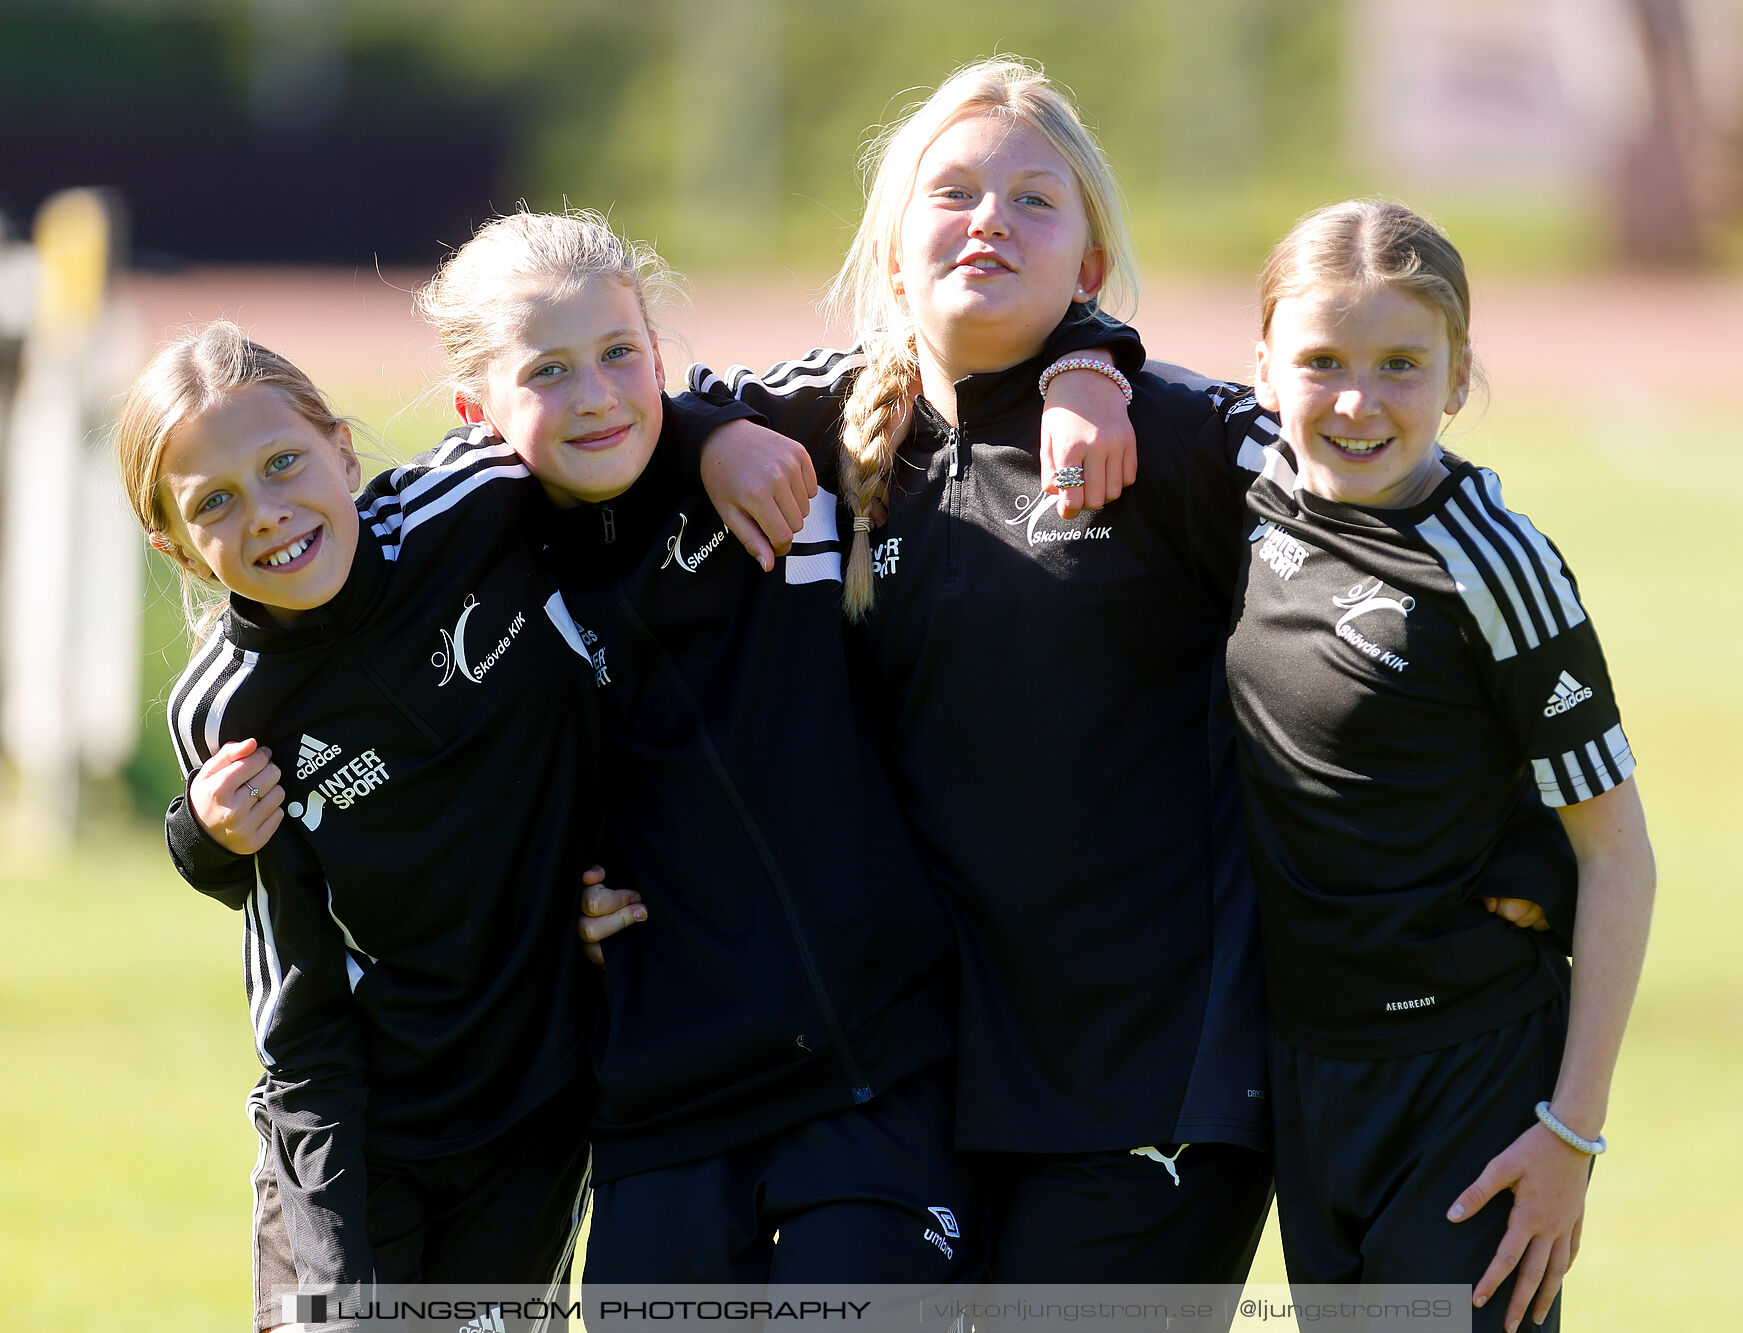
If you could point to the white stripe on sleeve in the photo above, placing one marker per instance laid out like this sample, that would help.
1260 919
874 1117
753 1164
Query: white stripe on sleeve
1478 598
819 568
265 976
215 717
1498 579
820 525
1541 561
1621 755
1570 761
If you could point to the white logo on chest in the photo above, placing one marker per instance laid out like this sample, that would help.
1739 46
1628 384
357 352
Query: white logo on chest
451 658
689 564
886 555
1359 602
342 788
1029 511
1282 554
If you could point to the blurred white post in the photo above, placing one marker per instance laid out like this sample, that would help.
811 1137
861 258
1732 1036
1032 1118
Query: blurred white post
71 575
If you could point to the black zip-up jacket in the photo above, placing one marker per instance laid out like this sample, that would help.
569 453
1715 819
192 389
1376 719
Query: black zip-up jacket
412 966
1047 693
797 959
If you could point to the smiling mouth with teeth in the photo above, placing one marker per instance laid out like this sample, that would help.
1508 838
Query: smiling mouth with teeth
290 552
1357 447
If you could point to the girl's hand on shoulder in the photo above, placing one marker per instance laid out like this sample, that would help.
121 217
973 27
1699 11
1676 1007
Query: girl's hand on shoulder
761 484
604 912
1548 1181
1085 424
237 798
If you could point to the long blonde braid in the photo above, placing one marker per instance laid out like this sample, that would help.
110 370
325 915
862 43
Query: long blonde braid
874 422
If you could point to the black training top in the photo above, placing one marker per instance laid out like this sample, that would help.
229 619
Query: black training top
1045 689
796 959
411 961
1413 686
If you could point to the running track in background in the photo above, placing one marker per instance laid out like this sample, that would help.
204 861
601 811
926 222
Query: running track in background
356 329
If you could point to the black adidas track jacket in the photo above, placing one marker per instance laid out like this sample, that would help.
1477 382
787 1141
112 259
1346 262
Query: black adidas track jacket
412 966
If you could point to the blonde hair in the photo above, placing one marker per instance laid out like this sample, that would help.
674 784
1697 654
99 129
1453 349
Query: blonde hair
877 411
486 286
1370 243
185 378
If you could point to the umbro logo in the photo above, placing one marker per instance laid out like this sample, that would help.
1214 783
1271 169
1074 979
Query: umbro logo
947 1224
313 755
1568 694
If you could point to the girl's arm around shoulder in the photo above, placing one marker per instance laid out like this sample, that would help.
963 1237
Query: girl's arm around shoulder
470 478
1187 447
760 483
802 398
1546 1175
1086 431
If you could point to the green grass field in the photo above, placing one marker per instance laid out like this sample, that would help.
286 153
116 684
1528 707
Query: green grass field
124 1156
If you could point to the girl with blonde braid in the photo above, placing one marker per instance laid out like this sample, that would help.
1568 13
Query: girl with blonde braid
1047 686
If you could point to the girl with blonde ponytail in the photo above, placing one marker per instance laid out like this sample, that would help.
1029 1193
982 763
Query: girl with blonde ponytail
1049 676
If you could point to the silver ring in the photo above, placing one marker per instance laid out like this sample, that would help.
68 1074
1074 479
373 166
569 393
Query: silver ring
252 792
1067 477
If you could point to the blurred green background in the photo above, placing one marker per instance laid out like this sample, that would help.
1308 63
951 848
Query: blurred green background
299 166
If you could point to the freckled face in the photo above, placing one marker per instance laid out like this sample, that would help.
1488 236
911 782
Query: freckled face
994 244
1360 379
576 392
260 499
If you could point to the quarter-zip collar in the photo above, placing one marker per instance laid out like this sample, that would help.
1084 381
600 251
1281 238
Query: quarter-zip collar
990 400
248 625
622 527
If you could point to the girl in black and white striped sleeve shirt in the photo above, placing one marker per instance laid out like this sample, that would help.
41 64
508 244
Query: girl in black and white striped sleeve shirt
1412 667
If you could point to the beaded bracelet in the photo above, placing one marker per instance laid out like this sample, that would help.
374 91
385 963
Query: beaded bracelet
1590 1147
1066 363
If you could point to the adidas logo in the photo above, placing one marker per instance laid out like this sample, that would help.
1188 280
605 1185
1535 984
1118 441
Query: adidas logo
1569 693
488 1323
313 754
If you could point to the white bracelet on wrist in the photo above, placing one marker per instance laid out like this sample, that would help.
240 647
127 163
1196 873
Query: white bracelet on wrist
1590 1147
1066 363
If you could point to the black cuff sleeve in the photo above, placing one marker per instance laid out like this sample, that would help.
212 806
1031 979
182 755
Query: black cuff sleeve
215 871
1083 329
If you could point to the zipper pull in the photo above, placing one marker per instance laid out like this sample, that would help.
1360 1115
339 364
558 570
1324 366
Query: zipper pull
955 458
608 517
